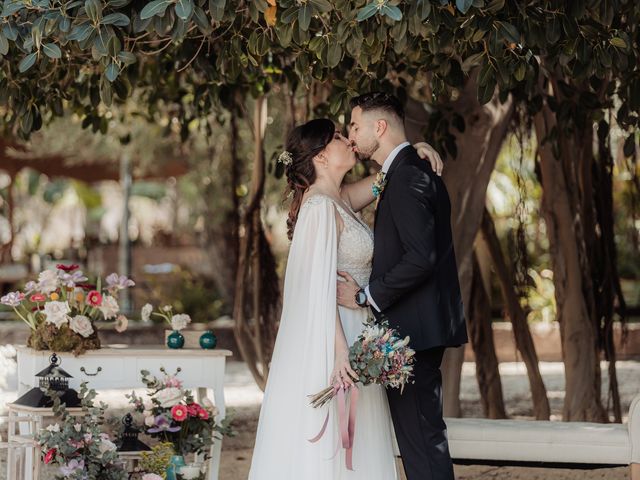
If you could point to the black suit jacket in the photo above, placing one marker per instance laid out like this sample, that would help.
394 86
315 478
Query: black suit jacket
414 279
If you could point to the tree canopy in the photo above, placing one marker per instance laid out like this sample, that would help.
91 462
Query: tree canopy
190 55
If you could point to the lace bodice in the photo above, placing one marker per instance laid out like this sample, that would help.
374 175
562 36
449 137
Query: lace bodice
355 248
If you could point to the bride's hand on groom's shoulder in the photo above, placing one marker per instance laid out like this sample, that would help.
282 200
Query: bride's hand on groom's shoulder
427 152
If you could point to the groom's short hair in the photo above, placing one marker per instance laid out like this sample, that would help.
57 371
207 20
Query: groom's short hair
379 101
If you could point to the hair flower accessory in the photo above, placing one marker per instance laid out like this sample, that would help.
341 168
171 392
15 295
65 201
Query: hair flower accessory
285 158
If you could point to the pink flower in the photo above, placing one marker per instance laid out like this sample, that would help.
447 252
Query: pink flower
94 298
203 414
48 458
38 297
179 413
193 409
172 382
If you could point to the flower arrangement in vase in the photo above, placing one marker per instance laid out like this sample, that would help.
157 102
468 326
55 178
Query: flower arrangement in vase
172 415
78 445
177 321
61 308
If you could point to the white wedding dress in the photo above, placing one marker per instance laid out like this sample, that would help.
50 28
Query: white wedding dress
303 360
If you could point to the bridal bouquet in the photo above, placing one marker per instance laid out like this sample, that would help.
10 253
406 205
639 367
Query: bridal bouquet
378 355
172 415
61 308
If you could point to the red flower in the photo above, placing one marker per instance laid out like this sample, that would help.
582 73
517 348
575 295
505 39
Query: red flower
203 414
48 458
38 297
179 413
94 298
193 409
67 268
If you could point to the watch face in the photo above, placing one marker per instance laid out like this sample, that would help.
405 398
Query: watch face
361 298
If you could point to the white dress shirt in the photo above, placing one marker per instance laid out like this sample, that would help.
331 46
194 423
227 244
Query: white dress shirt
385 168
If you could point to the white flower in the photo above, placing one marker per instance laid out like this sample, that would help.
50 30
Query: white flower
48 281
81 325
145 313
180 321
166 308
77 427
12 299
168 397
56 312
151 476
107 446
122 323
54 428
109 307
150 421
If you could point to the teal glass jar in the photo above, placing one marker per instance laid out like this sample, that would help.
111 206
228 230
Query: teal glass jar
175 463
175 340
208 340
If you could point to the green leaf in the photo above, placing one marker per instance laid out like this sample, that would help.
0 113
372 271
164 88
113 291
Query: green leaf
10 31
27 62
9 8
52 50
127 58
112 72
201 20
184 9
520 71
393 12
618 42
81 32
216 7
117 19
367 12
464 5
322 5
304 16
509 32
334 54
157 7
485 92
4 45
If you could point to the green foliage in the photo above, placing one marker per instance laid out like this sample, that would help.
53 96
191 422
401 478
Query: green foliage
195 53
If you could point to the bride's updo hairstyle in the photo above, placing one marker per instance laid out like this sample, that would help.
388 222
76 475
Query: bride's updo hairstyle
304 142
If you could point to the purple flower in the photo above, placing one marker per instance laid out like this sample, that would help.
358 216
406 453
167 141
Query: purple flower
71 467
118 282
30 287
162 424
72 279
12 299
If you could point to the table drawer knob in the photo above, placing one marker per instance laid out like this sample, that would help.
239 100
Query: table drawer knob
98 370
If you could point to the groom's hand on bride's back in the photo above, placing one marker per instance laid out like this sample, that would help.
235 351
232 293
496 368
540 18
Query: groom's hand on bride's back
427 152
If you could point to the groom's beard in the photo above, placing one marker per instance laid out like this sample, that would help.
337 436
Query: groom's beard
367 152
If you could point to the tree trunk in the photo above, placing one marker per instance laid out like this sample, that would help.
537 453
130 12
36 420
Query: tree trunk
5 250
467 177
521 333
255 320
561 209
481 336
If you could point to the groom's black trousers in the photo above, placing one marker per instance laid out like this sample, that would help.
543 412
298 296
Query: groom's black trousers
417 419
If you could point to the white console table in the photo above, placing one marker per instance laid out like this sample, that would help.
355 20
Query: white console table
119 366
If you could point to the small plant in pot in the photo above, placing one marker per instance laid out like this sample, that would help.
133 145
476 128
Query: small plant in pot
177 321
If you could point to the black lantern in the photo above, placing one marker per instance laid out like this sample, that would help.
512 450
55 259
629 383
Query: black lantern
130 442
55 378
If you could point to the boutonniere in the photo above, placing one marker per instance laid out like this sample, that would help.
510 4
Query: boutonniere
378 186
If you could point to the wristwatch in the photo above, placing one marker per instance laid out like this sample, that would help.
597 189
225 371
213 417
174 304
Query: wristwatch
361 298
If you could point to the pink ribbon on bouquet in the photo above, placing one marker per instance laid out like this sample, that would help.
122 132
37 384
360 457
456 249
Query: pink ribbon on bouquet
346 424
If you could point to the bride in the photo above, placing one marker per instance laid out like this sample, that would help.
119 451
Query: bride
311 349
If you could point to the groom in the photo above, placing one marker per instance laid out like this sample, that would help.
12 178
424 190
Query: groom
414 278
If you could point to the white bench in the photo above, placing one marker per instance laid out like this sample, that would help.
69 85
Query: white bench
566 444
